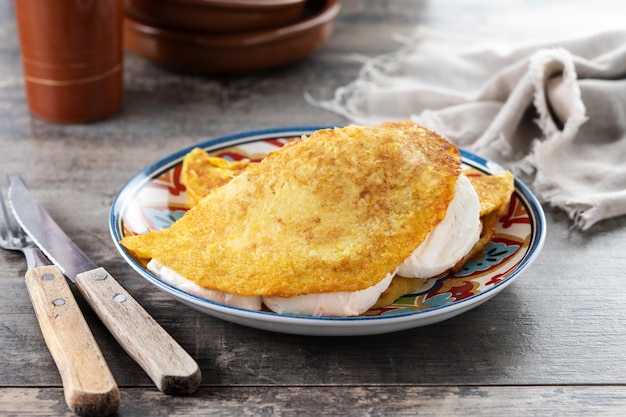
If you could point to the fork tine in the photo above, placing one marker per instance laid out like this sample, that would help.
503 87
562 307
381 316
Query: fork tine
7 219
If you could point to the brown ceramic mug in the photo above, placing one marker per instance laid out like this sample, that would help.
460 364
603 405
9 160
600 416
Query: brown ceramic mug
71 57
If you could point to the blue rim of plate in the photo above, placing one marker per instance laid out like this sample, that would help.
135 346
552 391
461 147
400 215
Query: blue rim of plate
132 187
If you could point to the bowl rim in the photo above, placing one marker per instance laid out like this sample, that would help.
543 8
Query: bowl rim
265 5
241 39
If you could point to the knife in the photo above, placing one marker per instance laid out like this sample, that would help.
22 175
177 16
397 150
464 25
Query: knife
88 385
169 366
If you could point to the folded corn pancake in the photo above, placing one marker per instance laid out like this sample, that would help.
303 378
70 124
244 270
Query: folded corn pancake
202 172
337 211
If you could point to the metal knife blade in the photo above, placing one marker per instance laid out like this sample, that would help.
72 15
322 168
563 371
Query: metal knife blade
46 233
164 360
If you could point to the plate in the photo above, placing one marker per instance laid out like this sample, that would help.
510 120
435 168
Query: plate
154 198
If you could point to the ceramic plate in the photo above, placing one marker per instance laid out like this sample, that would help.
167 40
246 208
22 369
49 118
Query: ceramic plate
154 198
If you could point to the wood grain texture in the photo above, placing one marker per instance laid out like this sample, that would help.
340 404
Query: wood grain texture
401 400
165 361
88 385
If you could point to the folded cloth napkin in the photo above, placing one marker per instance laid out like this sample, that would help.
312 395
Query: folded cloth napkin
554 112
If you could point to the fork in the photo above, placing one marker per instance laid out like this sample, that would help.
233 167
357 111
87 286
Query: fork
88 385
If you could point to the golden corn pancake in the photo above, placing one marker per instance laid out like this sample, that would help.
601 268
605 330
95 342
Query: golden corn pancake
337 211
202 172
494 192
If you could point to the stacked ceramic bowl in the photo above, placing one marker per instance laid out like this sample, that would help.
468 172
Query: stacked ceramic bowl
227 36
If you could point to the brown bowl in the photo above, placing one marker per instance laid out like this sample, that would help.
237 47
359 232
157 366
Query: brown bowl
216 15
233 53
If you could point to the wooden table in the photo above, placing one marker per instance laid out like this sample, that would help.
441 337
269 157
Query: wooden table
552 343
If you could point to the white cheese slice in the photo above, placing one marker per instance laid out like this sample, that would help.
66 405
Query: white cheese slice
451 239
331 304
176 280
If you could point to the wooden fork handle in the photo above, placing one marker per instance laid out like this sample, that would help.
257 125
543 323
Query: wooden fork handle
88 385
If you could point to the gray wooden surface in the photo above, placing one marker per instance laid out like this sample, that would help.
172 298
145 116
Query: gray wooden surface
552 343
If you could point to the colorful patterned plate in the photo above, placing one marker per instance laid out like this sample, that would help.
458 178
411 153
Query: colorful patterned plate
154 198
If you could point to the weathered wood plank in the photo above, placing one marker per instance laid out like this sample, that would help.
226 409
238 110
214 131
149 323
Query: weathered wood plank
533 333
562 401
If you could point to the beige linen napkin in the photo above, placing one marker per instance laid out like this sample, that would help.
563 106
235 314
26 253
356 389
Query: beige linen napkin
554 112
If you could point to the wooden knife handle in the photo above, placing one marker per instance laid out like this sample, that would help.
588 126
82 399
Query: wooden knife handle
89 386
164 360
